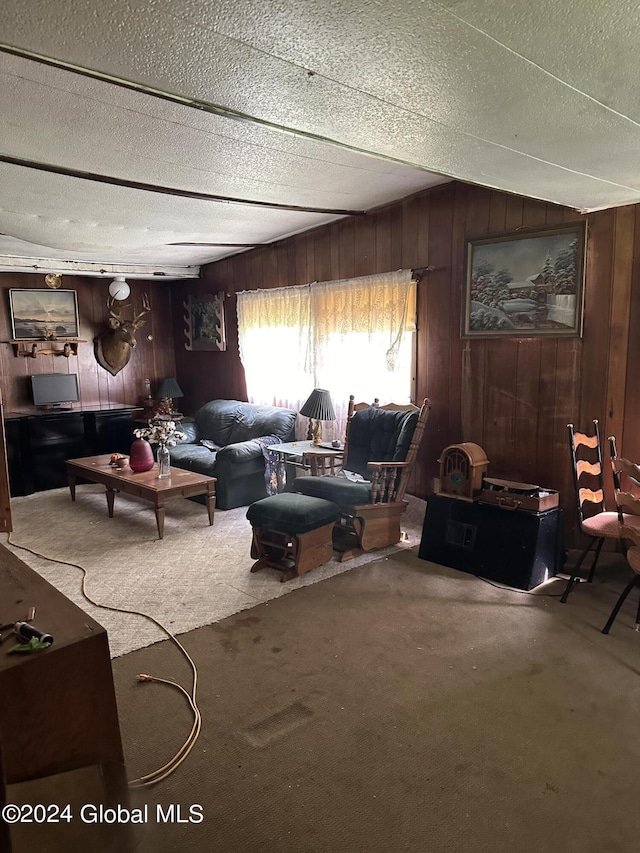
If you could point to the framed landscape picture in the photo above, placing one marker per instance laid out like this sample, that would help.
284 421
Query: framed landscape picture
43 315
526 284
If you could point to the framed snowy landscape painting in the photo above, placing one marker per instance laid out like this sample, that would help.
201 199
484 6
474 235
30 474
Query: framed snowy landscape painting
526 284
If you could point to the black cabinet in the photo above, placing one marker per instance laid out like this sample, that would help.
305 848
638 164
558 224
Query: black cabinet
517 548
39 444
16 438
109 432
53 440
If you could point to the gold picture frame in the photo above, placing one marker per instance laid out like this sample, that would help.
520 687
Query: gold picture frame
43 315
525 284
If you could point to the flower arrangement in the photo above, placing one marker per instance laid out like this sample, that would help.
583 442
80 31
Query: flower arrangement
163 433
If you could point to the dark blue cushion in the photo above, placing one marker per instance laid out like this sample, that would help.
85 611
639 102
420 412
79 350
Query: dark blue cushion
259 421
403 440
215 420
193 457
337 489
291 513
379 435
232 421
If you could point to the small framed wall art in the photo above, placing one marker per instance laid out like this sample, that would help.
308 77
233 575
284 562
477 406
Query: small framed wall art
43 315
205 323
526 284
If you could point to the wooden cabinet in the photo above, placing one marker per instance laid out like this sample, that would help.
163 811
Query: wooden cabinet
38 444
58 710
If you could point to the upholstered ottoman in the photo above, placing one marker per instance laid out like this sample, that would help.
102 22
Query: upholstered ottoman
292 532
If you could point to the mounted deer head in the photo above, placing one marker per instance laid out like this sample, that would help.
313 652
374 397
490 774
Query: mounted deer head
113 348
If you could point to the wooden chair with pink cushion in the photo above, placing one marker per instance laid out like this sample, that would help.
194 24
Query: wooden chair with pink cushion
594 520
626 488
626 482
631 535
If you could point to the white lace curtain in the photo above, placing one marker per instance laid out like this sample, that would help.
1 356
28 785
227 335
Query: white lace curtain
350 336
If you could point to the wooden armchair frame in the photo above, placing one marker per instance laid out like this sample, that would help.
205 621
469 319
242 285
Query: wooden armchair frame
376 524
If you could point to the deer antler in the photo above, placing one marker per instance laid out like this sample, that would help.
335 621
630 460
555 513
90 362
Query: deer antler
146 308
111 301
115 318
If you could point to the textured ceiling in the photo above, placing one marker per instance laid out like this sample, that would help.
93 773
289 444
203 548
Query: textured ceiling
127 127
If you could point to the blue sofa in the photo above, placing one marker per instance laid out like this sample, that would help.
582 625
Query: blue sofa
223 442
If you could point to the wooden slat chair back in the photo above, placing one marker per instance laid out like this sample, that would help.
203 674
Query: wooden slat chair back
588 476
626 483
594 520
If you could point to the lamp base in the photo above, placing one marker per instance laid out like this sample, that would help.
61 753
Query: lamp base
166 410
316 434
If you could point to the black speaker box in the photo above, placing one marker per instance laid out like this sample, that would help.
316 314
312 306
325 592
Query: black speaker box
513 547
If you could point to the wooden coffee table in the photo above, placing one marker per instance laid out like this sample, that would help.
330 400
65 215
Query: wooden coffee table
146 485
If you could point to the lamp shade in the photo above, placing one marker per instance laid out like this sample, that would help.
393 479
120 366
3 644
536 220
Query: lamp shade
119 289
319 406
170 389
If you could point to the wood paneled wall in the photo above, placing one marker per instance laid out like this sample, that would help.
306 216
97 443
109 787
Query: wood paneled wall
513 397
151 359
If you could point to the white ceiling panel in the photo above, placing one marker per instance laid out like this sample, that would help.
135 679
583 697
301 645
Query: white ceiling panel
591 46
333 106
175 145
121 217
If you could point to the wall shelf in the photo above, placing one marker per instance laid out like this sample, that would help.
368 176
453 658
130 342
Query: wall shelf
31 349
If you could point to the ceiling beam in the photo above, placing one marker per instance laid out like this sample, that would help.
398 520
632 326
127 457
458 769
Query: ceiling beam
56 265
173 191
204 106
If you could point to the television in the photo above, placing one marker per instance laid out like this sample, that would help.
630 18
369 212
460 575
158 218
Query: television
53 390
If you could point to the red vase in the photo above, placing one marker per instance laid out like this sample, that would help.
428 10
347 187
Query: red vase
141 456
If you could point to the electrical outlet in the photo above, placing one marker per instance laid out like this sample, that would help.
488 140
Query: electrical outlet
436 485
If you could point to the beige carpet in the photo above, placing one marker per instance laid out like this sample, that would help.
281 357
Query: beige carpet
194 576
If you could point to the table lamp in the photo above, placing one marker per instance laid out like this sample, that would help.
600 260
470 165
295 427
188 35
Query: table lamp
168 391
318 408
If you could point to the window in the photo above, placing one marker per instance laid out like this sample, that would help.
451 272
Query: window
353 336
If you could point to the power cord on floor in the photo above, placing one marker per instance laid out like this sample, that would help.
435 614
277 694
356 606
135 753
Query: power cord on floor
161 772
523 591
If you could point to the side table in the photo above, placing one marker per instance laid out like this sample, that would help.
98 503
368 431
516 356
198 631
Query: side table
316 459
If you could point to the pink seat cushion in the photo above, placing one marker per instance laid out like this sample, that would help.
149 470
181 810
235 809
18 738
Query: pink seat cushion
606 524
631 520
